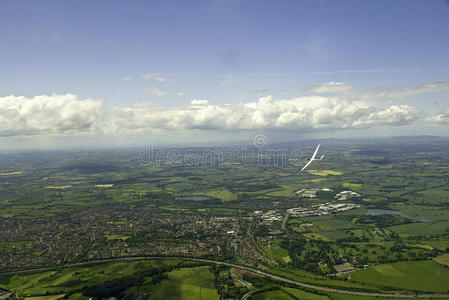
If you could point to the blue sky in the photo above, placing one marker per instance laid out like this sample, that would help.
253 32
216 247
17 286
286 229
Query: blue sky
227 52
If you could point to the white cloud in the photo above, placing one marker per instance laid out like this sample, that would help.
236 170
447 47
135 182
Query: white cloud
157 92
66 114
393 115
126 78
180 94
54 114
156 77
441 118
332 87
305 113
199 102
225 84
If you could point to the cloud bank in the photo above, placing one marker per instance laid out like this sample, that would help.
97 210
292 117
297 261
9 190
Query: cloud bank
49 114
66 114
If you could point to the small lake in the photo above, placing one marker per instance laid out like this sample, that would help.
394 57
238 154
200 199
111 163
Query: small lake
378 212
194 198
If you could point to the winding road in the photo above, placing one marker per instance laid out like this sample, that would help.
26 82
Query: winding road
249 269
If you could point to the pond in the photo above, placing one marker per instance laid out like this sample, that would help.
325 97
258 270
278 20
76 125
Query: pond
378 212
194 198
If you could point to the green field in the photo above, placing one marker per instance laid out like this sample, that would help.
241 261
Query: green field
421 228
111 237
287 294
324 172
277 252
50 297
189 283
420 276
300 294
224 195
271 295
61 281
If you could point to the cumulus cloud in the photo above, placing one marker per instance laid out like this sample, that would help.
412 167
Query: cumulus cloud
332 87
393 115
305 113
66 114
156 77
157 92
180 94
126 78
54 114
441 118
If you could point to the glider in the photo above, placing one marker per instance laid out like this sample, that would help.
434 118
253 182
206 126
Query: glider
312 159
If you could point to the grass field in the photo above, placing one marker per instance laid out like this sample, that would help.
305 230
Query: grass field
420 275
354 186
61 281
50 297
10 173
111 237
433 213
286 191
299 294
104 185
324 172
277 252
316 236
270 295
333 235
189 283
443 259
224 195
60 187
421 228
442 245
334 296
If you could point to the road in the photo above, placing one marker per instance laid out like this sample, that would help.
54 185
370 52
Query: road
249 269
